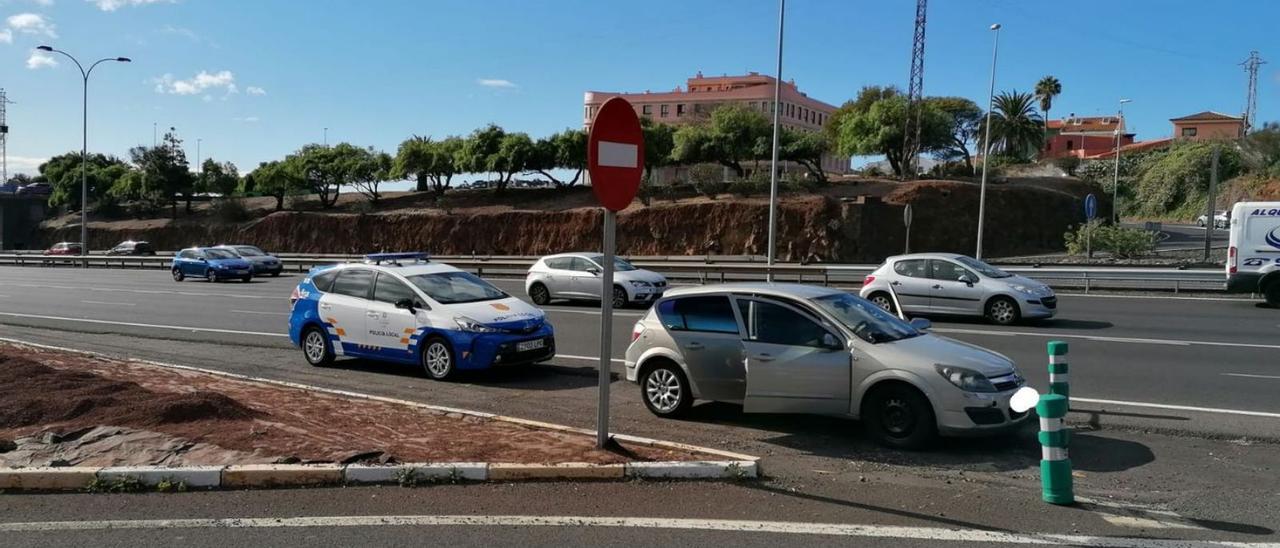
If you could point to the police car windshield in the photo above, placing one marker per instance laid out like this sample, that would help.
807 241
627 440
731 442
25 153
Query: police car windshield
986 269
219 254
619 264
456 287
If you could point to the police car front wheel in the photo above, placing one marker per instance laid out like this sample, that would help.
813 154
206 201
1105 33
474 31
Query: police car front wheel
437 359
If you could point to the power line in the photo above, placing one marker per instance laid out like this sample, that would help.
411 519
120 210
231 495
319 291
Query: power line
915 95
1251 101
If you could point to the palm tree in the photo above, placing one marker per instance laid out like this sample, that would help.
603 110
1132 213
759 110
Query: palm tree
1017 131
1046 89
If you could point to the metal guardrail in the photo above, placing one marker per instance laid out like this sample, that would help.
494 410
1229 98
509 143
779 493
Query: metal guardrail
699 271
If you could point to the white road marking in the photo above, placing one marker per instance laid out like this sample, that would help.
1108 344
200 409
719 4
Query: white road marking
1156 297
150 325
937 534
1180 408
596 312
144 291
263 313
1252 376
109 303
1131 340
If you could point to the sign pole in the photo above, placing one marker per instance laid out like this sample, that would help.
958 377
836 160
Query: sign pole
1210 220
606 329
906 221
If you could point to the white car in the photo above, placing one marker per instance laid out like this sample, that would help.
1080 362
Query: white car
946 283
577 276
1221 219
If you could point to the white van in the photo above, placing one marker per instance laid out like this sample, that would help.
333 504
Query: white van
1253 258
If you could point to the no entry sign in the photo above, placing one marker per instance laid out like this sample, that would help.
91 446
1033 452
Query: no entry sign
615 154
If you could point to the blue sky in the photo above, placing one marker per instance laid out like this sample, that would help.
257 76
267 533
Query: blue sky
256 79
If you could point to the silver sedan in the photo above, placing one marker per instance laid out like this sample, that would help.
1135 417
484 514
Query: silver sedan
946 283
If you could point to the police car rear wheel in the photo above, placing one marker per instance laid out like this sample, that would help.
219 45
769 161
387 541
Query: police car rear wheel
315 346
177 275
437 359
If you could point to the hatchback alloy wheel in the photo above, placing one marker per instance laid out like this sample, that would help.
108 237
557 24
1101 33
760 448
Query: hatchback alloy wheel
665 391
1003 311
619 297
883 301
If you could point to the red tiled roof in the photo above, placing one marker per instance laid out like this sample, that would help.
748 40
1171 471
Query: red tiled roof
1080 124
1208 115
1140 146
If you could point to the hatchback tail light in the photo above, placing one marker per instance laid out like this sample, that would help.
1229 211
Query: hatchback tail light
868 280
1231 260
636 331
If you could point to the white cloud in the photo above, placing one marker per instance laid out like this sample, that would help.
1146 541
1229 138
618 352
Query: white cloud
40 59
200 83
180 31
113 5
25 164
45 3
32 23
496 83
247 119
6 36
255 90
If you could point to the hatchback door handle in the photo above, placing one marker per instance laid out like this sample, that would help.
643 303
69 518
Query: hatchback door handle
764 358
371 314
694 346
937 286
895 283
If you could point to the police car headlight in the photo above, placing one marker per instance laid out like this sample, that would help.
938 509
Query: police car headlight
638 283
471 326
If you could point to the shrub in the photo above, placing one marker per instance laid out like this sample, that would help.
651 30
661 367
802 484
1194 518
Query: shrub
1068 164
1120 242
755 184
707 179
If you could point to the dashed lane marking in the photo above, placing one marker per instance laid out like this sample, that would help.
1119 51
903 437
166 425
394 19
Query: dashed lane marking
262 313
1099 338
1248 376
936 534
108 303
148 325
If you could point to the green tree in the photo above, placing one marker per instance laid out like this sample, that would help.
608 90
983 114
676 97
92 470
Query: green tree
219 178
659 142
63 174
878 130
161 174
964 124
277 179
1046 90
322 170
564 150
730 137
1261 150
867 96
512 157
1176 182
1017 131
805 148
479 148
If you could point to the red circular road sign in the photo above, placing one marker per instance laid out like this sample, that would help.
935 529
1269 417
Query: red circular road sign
615 154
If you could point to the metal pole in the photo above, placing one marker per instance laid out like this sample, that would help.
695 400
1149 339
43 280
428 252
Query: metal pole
1210 221
986 147
773 165
84 171
326 137
606 331
1115 183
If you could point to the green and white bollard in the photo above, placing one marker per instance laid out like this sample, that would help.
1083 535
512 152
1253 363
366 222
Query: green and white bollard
1058 370
1055 465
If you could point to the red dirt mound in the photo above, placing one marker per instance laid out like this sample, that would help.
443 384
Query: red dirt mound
31 393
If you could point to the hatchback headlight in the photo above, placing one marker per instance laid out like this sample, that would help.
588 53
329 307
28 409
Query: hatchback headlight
965 379
639 283
1023 289
471 326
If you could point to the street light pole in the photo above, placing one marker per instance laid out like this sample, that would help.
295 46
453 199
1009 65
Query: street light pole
773 165
84 144
986 146
1115 183
199 167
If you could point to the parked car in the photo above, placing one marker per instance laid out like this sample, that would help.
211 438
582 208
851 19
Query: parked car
403 308
263 262
1253 252
35 189
211 264
131 247
1221 219
577 276
65 248
946 283
790 348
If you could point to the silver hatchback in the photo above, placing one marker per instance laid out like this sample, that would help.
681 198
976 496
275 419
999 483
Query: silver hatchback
789 348
946 283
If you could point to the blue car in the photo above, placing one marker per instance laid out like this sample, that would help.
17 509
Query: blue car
403 308
211 264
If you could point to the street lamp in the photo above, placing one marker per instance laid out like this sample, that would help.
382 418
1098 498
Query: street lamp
84 144
1115 183
986 146
773 164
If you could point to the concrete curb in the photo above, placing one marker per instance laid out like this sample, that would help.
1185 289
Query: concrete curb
732 465
260 476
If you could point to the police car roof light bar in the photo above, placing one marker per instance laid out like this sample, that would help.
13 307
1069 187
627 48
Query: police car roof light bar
379 258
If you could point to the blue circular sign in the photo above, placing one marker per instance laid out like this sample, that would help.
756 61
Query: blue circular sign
1090 206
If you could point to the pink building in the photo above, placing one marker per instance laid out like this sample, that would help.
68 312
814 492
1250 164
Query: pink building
703 94
1084 136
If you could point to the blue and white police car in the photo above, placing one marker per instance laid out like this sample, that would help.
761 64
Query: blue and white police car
404 308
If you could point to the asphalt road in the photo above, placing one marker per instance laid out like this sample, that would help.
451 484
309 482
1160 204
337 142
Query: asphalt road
1207 468
1189 237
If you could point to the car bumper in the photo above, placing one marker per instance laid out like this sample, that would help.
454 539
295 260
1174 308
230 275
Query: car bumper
1243 282
232 273
268 268
969 413
1039 307
485 350
645 295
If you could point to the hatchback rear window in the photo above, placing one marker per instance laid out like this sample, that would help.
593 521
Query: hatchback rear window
711 314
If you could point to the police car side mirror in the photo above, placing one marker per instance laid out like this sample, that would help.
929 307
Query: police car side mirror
405 304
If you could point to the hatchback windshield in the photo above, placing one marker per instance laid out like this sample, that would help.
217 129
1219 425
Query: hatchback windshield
868 321
219 254
456 287
249 251
984 268
619 264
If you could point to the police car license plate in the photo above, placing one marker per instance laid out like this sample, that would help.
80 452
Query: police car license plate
525 346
